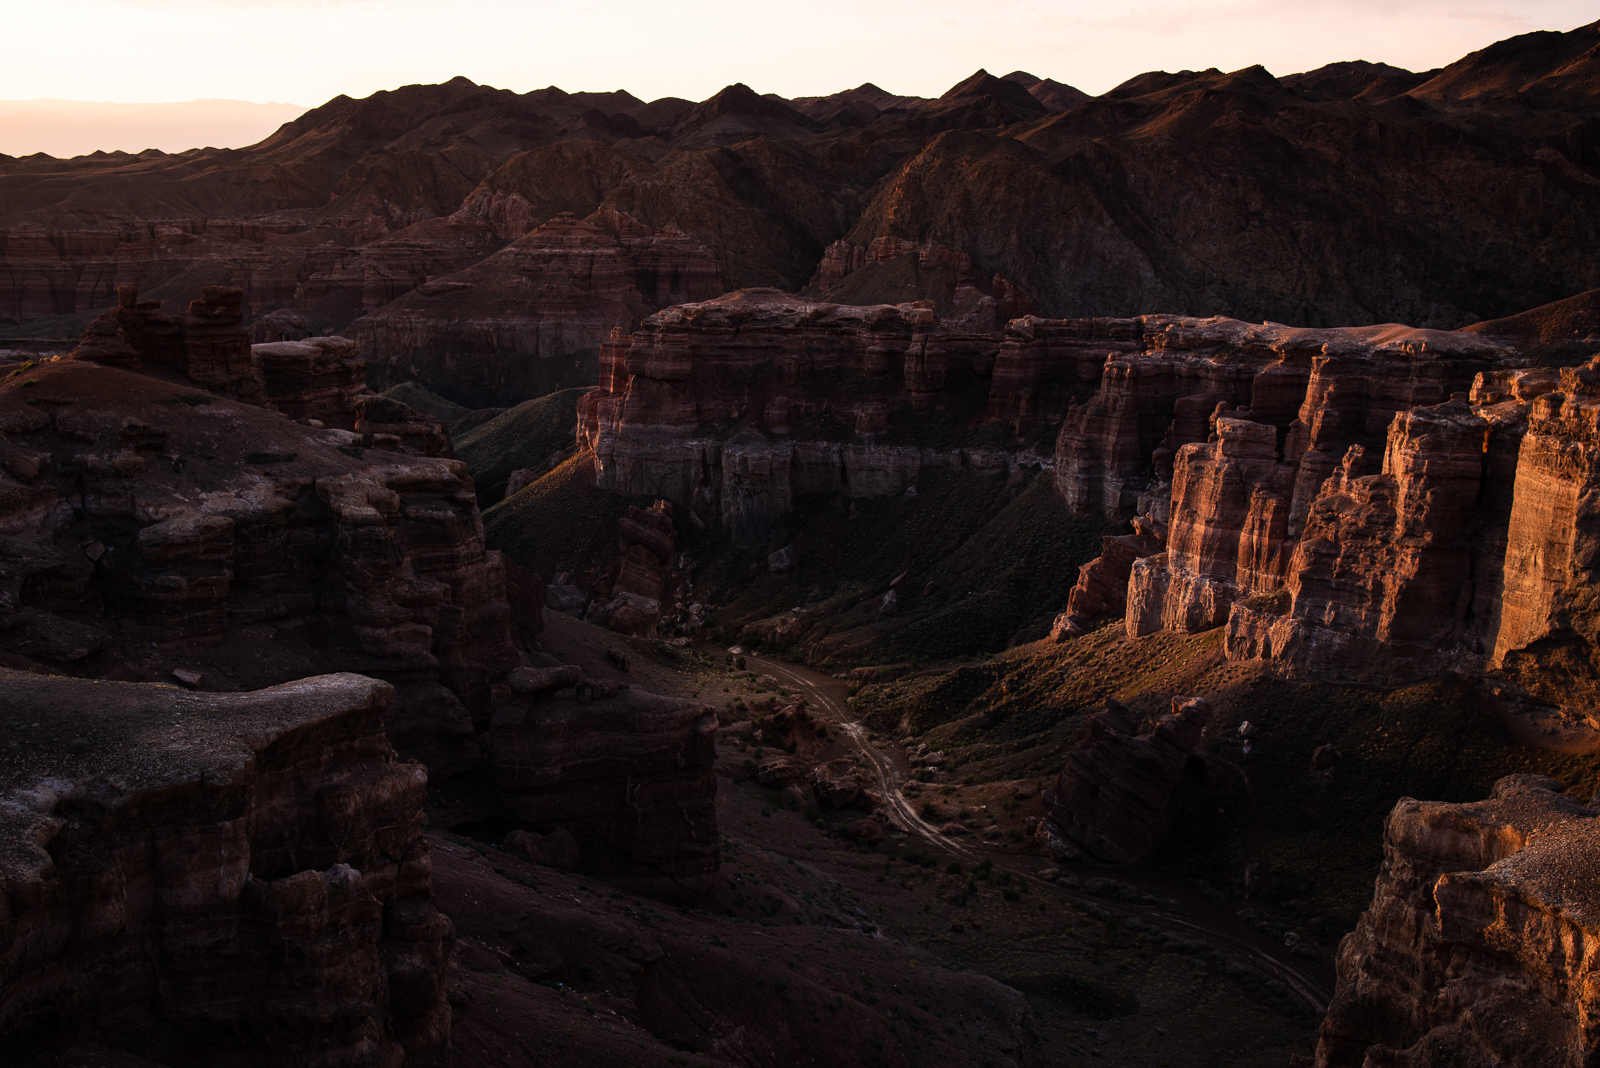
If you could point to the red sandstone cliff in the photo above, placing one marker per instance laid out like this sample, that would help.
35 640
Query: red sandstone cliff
532 316
1478 946
732 408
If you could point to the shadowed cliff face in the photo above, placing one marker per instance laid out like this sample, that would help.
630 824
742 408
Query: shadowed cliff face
239 877
151 529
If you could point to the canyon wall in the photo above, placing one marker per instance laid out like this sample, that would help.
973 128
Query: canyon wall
1364 504
238 877
1479 945
152 529
1371 504
529 319
733 408
627 773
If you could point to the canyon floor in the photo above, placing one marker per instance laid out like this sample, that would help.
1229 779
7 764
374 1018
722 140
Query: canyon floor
1123 966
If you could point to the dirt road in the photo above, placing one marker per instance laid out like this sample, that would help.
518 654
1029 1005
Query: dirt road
825 696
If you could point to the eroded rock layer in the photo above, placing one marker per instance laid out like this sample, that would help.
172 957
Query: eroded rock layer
734 408
1480 942
1374 504
150 530
240 878
530 319
626 772
1121 791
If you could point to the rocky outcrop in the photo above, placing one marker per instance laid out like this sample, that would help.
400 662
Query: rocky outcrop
893 271
1367 510
230 878
180 529
1102 589
627 773
1228 533
316 378
1121 792
1382 573
1478 947
1324 390
645 572
1544 627
209 344
196 522
733 408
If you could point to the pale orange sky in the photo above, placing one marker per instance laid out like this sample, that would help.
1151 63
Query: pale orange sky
307 51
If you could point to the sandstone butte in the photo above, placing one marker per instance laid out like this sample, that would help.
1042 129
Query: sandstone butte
416 213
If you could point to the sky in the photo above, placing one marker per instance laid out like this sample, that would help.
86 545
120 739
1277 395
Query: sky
304 52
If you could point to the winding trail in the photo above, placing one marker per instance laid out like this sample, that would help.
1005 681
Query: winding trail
823 693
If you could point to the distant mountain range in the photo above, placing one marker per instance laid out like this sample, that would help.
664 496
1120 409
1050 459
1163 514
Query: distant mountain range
1357 193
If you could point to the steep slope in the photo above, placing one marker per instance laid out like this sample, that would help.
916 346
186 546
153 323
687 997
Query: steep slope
1182 189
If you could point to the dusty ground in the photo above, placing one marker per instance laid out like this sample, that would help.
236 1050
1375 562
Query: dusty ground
1126 968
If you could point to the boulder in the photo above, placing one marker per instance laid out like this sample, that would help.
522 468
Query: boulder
1121 792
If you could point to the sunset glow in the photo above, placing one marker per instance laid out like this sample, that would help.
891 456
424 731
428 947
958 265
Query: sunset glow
307 51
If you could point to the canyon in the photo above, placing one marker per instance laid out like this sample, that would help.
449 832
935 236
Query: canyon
859 579
1360 504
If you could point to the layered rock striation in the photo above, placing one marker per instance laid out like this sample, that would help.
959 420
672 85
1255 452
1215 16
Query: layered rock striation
626 772
1121 792
139 511
1366 504
239 878
1478 947
529 319
150 528
732 409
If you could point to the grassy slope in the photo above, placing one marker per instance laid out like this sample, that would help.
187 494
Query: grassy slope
524 436
1319 844
562 522
1001 555
420 398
